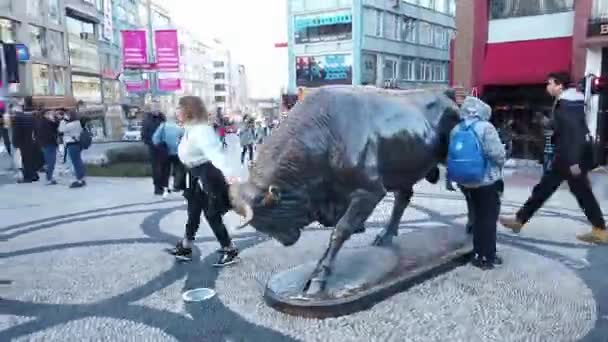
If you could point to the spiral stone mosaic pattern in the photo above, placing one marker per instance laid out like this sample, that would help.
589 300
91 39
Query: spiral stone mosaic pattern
530 298
96 271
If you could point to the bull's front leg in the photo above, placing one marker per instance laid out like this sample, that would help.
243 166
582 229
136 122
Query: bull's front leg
402 200
362 205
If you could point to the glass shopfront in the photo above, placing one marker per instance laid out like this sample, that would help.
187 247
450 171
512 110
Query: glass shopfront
86 88
84 55
316 71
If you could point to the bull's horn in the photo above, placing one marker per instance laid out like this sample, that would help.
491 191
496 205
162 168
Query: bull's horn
247 213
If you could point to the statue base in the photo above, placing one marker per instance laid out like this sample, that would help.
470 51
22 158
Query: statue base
365 276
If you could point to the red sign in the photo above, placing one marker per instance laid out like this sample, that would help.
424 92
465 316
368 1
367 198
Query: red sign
134 48
169 84
167 50
280 45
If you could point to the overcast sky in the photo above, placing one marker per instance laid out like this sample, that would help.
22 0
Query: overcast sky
249 28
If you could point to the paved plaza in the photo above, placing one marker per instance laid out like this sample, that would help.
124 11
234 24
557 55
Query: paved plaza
89 265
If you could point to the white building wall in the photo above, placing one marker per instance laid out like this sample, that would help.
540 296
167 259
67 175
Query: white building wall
593 66
531 28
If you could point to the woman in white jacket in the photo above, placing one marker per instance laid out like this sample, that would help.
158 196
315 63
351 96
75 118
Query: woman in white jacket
71 128
207 190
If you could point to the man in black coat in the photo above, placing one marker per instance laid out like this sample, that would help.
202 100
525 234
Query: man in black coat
23 139
571 162
152 120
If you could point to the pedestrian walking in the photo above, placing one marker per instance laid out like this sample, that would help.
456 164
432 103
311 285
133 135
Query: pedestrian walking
158 157
71 128
207 189
475 161
170 134
5 131
23 139
46 133
572 161
247 139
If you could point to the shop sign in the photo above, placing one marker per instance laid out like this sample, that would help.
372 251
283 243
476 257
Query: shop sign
599 28
108 24
134 48
316 71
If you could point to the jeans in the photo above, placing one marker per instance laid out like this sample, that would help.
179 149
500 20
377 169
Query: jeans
485 201
245 148
579 187
50 158
74 151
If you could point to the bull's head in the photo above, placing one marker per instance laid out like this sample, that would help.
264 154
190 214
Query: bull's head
279 213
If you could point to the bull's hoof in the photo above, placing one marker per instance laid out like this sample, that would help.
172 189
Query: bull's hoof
359 230
314 287
385 238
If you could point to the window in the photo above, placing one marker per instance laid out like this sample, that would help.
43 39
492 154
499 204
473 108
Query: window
219 76
426 3
407 71
515 8
111 91
220 99
34 8
6 6
369 69
439 71
452 8
54 12
369 21
389 69
324 33
40 79
440 37
408 29
378 24
37 42
218 64
143 15
58 80
425 71
220 87
8 30
441 6
425 31
87 89
600 9
390 26
56 51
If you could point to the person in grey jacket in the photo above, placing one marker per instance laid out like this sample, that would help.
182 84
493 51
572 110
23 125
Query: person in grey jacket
485 195
247 139
71 128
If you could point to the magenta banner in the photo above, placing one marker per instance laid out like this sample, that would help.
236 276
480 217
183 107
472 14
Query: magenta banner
134 48
167 50
137 86
169 84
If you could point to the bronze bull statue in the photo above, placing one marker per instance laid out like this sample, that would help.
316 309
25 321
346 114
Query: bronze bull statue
336 156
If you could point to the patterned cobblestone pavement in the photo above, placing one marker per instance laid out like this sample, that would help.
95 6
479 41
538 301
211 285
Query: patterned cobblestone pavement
88 265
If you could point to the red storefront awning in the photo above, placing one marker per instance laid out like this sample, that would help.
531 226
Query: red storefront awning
526 62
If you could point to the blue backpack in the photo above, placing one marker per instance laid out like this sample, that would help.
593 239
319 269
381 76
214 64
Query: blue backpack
467 162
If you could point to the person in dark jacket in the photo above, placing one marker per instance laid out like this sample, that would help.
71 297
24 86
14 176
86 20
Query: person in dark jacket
46 134
571 161
23 139
160 165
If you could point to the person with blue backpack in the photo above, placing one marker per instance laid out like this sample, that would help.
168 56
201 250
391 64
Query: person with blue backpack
476 157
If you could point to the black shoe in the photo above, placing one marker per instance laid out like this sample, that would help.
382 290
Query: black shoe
497 261
77 184
482 263
181 253
159 192
228 256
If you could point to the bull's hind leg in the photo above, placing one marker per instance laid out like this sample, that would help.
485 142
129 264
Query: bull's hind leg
402 200
363 203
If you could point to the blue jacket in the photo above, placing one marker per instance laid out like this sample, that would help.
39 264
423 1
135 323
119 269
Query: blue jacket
169 133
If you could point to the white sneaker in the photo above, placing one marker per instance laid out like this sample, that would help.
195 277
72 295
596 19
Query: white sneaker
165 194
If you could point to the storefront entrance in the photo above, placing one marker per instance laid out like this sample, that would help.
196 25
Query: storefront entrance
516 111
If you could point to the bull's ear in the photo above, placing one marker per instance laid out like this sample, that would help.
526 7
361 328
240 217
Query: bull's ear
432 103
451 94
272 196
